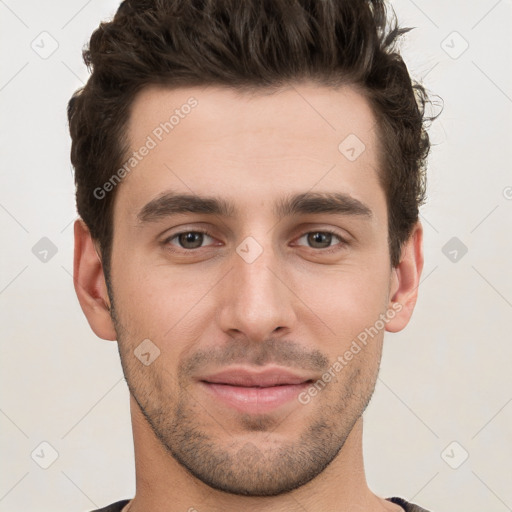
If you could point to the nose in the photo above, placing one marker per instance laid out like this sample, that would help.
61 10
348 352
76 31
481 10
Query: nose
257 301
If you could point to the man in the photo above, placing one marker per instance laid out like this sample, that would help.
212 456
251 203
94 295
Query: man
248 180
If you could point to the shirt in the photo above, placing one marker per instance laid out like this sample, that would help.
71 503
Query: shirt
408 507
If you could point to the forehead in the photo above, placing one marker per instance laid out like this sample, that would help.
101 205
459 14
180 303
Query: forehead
218 141
292 112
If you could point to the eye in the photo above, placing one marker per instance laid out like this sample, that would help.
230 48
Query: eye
322 239
189 239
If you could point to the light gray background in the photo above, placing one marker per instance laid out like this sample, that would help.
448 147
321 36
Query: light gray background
445 378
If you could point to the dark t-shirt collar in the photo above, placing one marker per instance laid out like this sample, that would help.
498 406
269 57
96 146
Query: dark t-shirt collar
408 507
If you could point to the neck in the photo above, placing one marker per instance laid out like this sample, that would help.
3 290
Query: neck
163 484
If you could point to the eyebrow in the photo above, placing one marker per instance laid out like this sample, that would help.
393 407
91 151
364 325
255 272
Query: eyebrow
171 203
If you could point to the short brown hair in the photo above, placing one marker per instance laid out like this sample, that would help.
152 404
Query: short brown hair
248 44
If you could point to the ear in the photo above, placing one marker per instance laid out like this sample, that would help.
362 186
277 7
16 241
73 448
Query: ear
405 280
89 282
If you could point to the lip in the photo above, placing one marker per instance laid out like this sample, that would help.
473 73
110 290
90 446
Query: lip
270 376
255 392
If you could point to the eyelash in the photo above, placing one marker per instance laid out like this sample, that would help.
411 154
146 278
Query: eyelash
328 250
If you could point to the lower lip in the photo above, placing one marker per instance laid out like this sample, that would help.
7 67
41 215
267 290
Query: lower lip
254 400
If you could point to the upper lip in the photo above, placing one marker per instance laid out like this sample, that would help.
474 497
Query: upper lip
274 376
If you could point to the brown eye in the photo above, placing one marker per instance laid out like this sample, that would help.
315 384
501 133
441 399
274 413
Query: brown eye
189 239
321 240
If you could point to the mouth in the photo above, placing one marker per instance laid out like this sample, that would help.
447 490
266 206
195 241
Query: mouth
254 393
256 386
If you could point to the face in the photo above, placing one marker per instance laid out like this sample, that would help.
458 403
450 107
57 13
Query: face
278 259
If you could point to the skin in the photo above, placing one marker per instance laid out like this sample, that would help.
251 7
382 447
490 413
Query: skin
206 308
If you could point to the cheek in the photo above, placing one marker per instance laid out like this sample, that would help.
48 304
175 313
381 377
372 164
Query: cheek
350 299
157 303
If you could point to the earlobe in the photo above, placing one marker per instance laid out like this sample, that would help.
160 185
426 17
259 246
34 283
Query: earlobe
405 281
89 282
